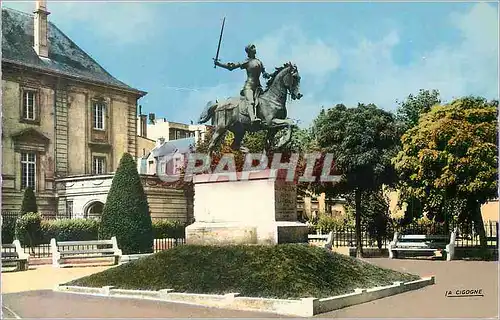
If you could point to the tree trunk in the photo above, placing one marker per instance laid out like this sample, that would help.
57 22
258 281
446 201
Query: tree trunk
357 199
475 210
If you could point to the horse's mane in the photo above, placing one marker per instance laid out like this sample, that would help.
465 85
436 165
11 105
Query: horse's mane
277 70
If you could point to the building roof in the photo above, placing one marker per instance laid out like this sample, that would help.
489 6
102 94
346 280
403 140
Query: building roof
174 146
65 57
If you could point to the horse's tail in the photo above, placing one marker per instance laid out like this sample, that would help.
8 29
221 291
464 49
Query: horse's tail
208 112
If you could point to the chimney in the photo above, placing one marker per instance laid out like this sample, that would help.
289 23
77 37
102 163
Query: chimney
152 118
41 43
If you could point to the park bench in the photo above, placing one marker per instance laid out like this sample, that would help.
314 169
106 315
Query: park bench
319 238
13 255
423 243
82 250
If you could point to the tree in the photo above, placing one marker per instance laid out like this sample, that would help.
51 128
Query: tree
413 107
451 156
362 141
29 201
126 212
375 213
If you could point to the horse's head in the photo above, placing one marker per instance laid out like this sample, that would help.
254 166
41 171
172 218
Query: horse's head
292 81
288 77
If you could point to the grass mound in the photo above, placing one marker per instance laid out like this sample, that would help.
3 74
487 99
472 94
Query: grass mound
281 271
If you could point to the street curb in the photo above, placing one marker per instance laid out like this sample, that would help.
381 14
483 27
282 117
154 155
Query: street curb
305 307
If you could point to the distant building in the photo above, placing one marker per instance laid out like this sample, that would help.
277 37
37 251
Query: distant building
154 129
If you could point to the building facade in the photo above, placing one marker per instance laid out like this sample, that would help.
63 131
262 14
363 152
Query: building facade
155 129
63 114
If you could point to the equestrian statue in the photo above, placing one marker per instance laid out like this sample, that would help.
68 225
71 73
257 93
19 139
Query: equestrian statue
255 109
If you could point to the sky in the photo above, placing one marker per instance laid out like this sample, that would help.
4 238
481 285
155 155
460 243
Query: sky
350 53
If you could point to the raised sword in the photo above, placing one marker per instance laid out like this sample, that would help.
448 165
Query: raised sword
220 40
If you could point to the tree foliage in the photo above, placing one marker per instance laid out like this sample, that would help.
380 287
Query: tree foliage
28 229
126 212
363 141
413 107
29 201
452 155
375 213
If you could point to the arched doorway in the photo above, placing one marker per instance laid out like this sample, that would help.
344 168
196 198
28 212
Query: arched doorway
94 210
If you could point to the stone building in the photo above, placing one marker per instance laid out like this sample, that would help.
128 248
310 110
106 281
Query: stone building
63 114
66 123
168 130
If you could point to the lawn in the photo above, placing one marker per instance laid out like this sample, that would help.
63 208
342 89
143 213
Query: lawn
286 271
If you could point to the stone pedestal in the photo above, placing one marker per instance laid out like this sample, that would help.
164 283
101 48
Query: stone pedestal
253 210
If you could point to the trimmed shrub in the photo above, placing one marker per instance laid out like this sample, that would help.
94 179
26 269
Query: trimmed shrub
126 212
283 271
69 230
168 229
8 229
29 202
28 229
326 223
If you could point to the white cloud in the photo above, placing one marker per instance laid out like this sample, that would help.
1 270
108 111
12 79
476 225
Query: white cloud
116 23
468 67
197 99
314 57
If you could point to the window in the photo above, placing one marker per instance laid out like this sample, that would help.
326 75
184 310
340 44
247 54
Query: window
29 105
99 165
99 112
95 210
28 170
69 209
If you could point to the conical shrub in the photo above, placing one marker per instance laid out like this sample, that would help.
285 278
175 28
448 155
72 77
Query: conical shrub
126 212
29 201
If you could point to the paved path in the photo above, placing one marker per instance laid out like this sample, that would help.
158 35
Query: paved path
43 277
429 302
50 304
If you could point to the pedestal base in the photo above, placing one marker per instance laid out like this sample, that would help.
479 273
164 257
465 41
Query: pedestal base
228 233
257 210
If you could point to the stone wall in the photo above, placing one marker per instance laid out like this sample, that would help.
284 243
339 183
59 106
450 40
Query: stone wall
167 202
164 202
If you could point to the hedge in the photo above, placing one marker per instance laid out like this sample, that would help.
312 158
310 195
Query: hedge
168 229
28 229
8 229
77 230
69 230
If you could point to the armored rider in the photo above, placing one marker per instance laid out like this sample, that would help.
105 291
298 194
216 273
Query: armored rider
251 88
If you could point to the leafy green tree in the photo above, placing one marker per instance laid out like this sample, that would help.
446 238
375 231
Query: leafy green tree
413 107
126 212
375 213
362 141
452 155
29 201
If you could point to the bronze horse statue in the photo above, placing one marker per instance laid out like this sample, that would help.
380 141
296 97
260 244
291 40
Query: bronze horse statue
232 115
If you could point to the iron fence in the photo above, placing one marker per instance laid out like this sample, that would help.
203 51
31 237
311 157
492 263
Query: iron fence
467 237
167 243
43 250
47 215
